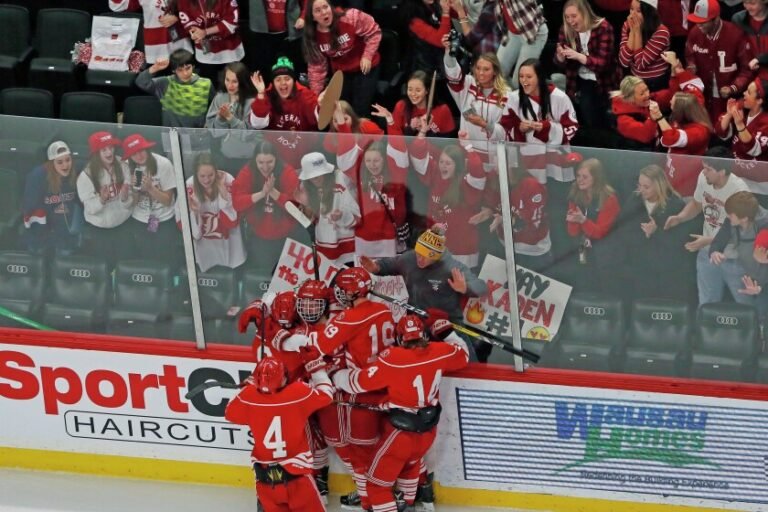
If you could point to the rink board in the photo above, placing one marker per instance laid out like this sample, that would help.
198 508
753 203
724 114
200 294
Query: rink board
542 440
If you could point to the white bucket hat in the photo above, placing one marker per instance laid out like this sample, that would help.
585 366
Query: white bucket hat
314 165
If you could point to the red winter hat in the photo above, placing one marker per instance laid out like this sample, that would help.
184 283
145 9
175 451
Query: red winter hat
704 11
132 144
101 140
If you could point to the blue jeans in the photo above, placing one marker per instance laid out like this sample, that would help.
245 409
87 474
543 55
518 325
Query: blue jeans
712 279
518 50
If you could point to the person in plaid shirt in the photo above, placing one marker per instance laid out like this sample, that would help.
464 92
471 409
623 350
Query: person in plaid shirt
525 34
585 48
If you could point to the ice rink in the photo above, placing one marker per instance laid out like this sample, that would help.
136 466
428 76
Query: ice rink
27 491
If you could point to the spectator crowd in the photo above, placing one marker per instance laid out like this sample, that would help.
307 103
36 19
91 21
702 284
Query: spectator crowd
687 79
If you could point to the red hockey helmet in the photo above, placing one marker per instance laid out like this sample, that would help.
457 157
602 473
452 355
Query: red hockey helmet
270 375
409 328
311 300
350 284
284 309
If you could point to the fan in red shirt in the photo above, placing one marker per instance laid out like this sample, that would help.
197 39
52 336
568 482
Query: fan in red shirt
277 414
746 123
411 373
408 112
379 173
287 107
260 192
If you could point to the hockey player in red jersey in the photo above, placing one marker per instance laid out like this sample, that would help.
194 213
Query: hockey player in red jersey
359 333
277 415
411 374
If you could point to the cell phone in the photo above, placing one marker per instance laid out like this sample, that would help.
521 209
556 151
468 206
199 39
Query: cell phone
469 112
138 176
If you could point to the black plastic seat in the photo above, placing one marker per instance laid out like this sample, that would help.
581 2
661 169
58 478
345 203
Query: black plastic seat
56 32
658 338
10 208
15 50
79 294
116 83
88 106
726 343
391 73
143 110
22 285
141 300
23 140
591 334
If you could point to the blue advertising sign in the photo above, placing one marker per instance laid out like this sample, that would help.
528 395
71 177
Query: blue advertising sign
616 441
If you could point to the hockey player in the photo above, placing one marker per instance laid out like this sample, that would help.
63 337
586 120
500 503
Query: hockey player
359 333
411 374
277 415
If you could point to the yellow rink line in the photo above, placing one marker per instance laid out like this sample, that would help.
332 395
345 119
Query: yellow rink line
241 476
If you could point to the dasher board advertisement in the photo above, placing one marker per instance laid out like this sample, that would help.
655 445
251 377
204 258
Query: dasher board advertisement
608 443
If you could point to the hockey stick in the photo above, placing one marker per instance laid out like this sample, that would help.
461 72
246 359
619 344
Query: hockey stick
212 384
307 224
23 320
466 329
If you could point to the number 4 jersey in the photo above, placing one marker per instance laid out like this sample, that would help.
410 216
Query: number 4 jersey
278 422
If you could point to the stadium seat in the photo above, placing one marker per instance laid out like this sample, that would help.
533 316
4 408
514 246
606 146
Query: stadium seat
591 334
762 368
26 101
78 295
143 110
141 300
23 141
10 208
57 31
658 338
15 49
219 291
88 106
725 345
118 84
22 284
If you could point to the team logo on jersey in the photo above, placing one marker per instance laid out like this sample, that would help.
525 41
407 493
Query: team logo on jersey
536 199
435 284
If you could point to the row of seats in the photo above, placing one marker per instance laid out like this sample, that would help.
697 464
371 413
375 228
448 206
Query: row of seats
44 60
140 298
660 337
79 106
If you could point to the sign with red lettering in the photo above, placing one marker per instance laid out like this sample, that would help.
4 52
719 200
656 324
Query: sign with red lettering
541 302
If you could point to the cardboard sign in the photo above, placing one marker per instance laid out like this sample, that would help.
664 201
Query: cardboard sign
541 302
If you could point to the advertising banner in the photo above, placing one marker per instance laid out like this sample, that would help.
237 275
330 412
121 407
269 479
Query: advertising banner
541 302
607 444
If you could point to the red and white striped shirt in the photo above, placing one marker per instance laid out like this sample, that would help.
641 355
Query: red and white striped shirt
646 62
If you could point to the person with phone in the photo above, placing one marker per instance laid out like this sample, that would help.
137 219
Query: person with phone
482 98
154 191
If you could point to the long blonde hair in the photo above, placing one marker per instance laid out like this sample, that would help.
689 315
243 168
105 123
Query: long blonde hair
664 190
600 190
687 109
500 85
591 20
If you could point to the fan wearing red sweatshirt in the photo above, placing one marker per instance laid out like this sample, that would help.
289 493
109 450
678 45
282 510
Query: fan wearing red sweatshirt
260 192
347 41
379 173
409 110
456 181
285 106
746 124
